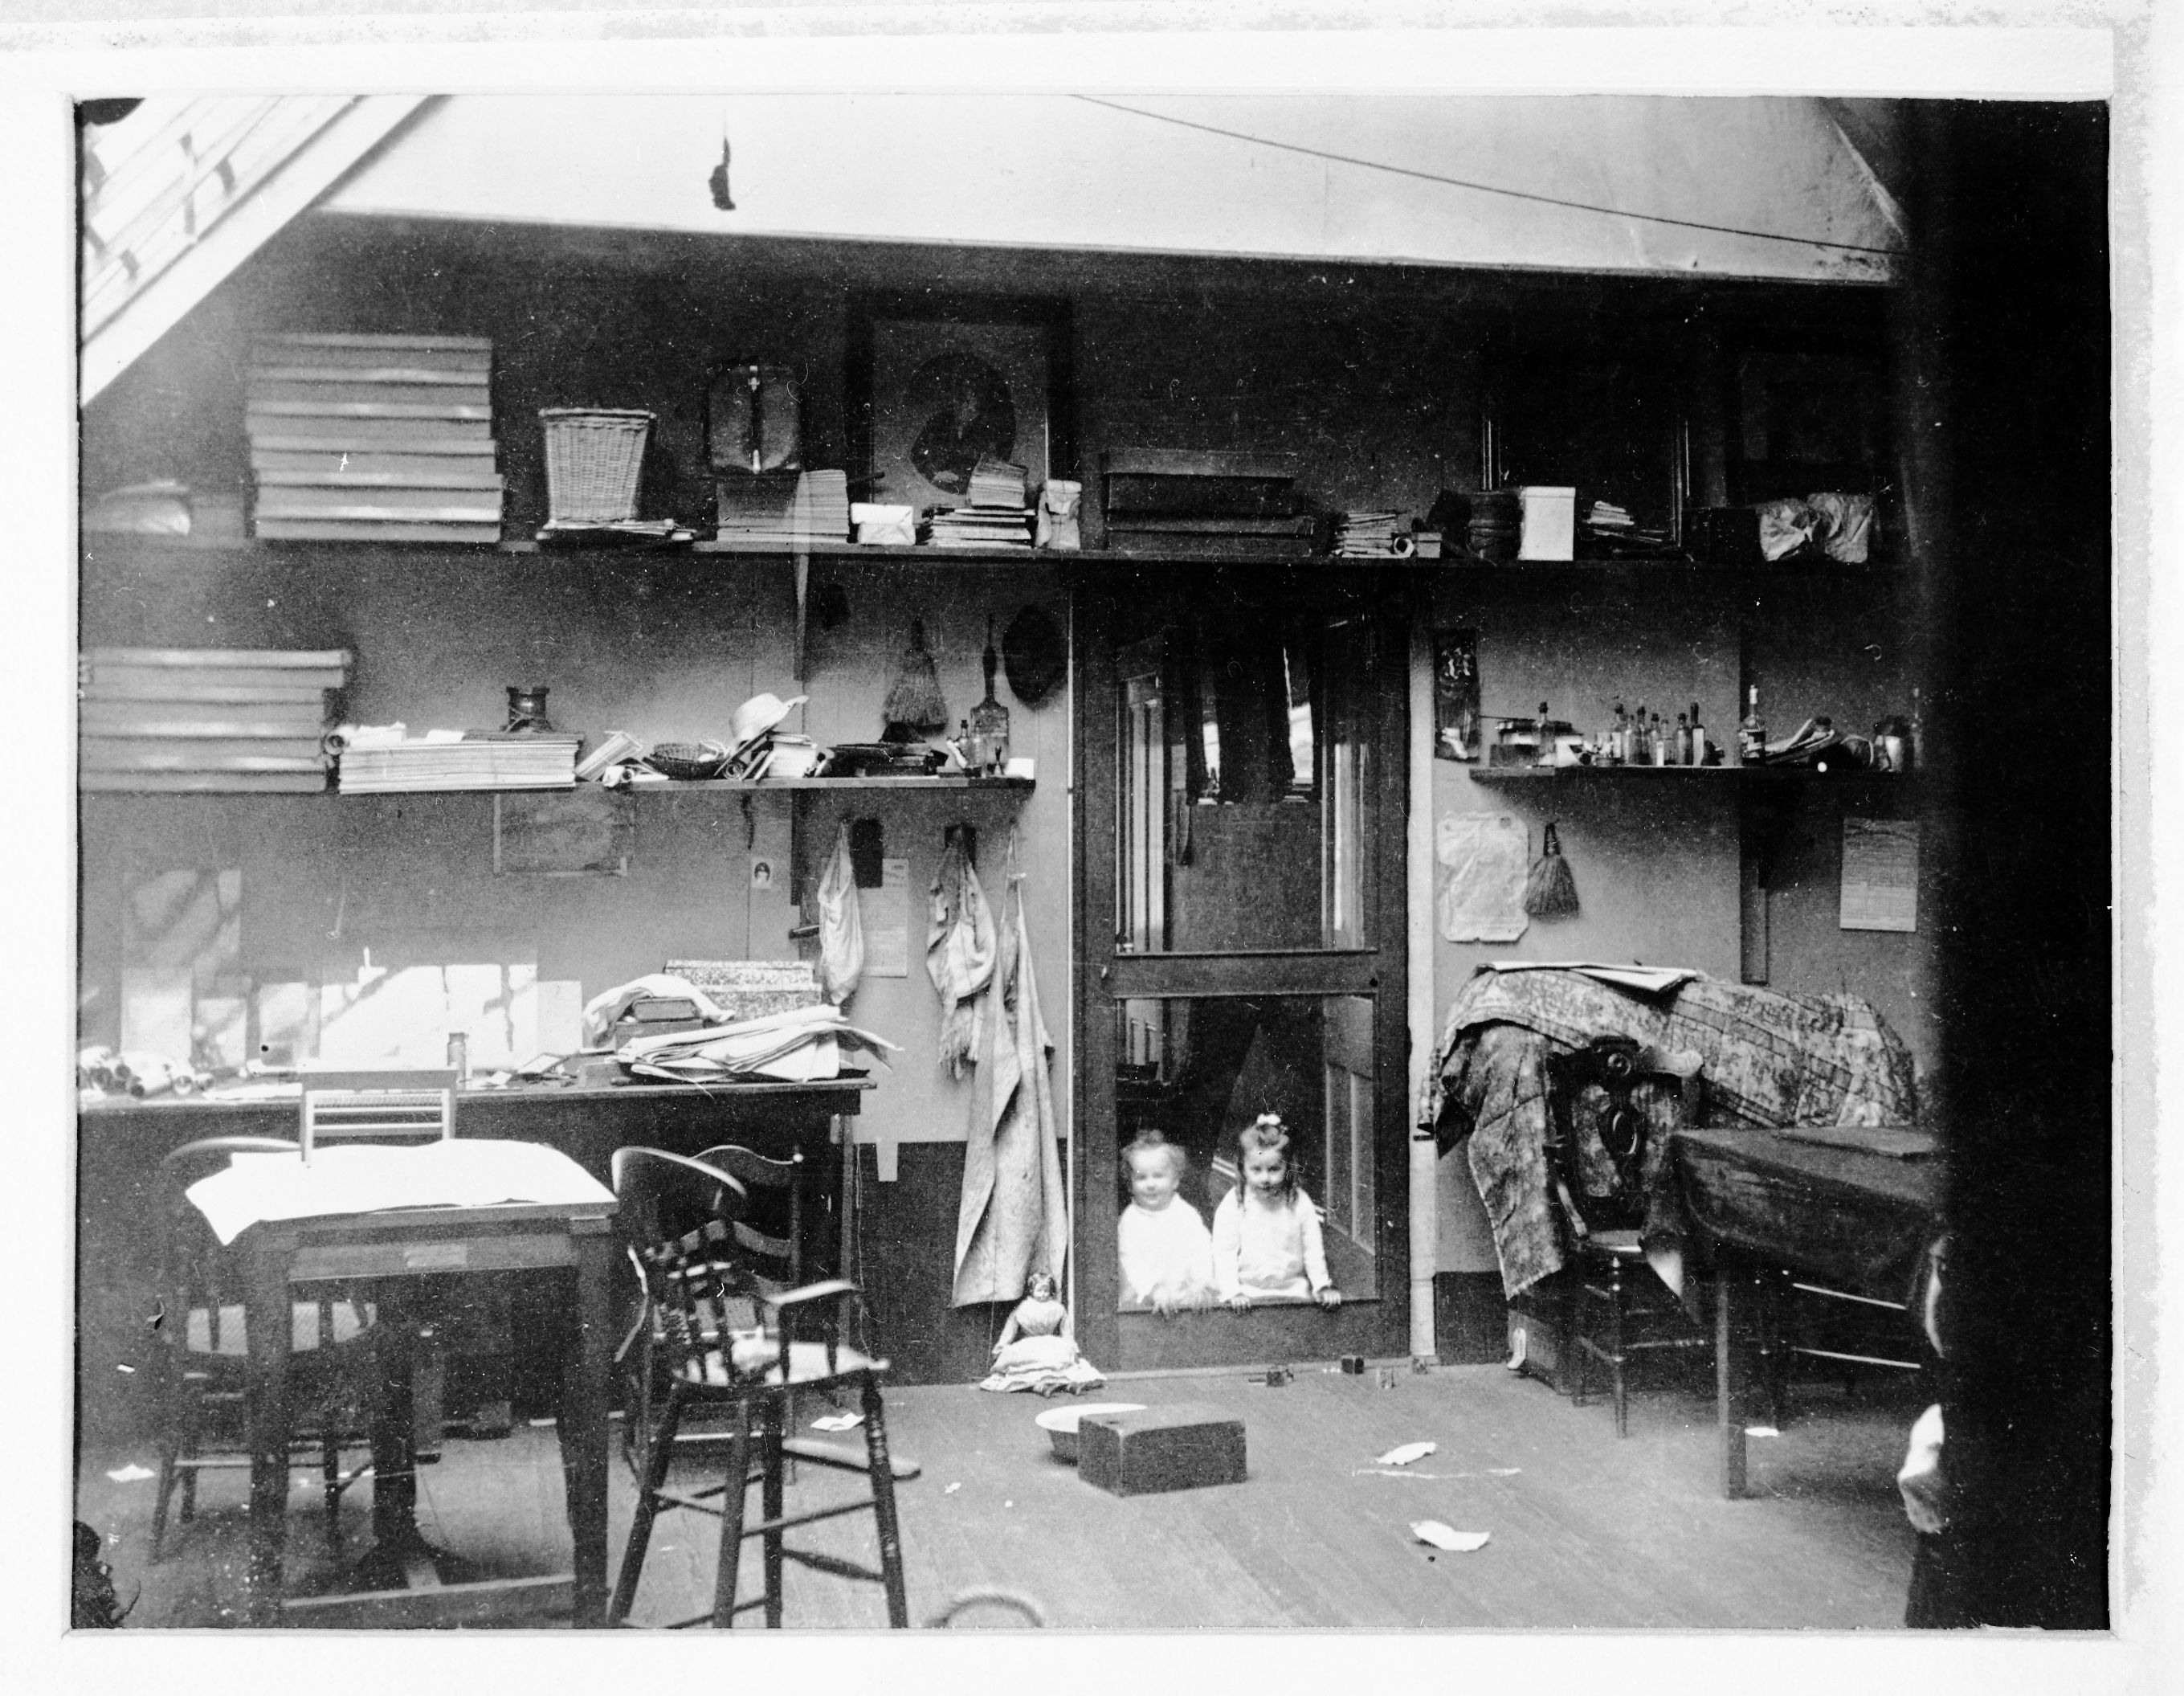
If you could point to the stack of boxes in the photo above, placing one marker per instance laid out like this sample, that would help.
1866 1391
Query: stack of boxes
185 719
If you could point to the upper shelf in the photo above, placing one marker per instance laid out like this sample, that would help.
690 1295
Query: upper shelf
1540 774
112 546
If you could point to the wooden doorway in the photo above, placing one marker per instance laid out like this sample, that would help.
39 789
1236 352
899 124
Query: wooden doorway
1241 934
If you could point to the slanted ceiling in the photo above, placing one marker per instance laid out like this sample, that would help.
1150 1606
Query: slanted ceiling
181 191
1763 188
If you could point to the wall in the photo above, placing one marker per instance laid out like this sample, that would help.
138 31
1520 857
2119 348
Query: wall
1369 377
1658 862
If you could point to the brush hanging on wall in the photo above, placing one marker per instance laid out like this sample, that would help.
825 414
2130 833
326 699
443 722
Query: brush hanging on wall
1550 890
913 699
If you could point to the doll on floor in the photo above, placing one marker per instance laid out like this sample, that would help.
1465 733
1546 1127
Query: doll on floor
1036 1350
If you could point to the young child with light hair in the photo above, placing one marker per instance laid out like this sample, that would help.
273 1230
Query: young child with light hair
1167 1257
1267 1245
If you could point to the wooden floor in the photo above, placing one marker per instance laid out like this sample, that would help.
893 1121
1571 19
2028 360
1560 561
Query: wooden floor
1585 1530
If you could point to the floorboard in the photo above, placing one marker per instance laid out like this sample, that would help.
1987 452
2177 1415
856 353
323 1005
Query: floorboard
1586 1532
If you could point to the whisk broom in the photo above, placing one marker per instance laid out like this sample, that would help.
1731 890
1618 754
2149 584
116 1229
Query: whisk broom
913 699
1550 891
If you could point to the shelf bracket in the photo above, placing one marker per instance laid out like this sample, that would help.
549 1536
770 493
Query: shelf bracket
803 565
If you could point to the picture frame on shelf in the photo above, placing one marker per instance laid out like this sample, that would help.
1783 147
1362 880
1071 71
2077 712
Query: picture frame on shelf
936 382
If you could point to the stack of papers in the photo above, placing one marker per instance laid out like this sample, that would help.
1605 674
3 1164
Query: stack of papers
798 1045
367 1178
443 759
373 438
206 718
998 515
1371 536
784 509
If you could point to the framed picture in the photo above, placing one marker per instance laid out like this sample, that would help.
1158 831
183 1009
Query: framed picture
936 383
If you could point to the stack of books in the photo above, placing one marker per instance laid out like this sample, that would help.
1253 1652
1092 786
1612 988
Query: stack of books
475 760
1619 533
783 509
1371 536
998 514
373 438
1188 504
234 719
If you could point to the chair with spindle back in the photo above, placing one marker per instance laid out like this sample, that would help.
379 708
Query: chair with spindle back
771 1229
203 1356
698 1282
383 1105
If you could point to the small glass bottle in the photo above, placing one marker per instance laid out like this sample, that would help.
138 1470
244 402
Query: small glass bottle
1698 737
1751 734
1619 737
1683 754
1662 747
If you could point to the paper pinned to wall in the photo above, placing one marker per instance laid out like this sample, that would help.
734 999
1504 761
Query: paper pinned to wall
1482 860
884 914
1880 874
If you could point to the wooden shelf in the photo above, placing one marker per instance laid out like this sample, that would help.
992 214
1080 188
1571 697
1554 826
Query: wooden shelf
776 786
1544 774
1478 570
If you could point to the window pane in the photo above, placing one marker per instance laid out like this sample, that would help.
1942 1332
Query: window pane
1196 1072
1245 803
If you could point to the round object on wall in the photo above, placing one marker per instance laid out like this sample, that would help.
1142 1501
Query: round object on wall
1035 653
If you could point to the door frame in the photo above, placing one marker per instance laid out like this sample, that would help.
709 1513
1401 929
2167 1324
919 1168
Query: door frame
1379 1324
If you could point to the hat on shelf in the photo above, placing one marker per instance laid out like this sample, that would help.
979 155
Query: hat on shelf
757 718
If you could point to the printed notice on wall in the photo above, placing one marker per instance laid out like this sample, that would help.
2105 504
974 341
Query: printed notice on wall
884 914
1880 874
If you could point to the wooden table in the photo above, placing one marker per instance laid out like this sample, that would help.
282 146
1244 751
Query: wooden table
1754 1204
386 1247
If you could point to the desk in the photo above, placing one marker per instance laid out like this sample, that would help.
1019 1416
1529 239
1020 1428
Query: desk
417 1243
1741 1199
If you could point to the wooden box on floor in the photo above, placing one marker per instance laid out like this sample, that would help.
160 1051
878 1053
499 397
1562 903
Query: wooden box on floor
1161 1448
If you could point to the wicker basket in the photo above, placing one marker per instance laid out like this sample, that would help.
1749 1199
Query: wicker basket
593 458
690 761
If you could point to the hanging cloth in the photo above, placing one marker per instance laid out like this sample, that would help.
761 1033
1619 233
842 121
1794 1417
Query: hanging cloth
841 929
1014 1218
959 953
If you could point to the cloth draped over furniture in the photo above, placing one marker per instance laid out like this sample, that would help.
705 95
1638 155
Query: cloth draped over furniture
1770 1060
1014 1216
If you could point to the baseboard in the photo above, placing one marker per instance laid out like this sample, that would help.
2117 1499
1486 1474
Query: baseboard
1470 1319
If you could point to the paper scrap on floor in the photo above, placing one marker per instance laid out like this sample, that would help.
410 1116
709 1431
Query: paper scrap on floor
1405 1453
1445 1536
364 1178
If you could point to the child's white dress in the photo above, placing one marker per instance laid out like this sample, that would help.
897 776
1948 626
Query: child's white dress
1269 1253
1165 1254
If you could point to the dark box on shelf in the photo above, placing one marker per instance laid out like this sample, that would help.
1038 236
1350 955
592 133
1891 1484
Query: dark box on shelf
1152 1450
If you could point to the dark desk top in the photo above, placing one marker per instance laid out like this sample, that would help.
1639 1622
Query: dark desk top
840 1093
1859 1219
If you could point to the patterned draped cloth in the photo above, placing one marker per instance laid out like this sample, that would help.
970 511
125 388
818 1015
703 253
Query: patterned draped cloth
1769 1060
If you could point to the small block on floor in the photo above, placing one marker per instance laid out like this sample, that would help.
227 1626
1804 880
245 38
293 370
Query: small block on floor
1150 1449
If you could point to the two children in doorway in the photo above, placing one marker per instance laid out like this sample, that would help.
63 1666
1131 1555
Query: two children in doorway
1265 1245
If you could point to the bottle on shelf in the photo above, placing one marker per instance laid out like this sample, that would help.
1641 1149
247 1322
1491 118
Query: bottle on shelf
1619 737
1641 751
1698 737
1660 745
1751 734
1683 754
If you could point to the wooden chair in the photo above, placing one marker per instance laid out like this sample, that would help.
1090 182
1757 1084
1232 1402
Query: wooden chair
383 1105
698 1284
203 1357
770 1230
1599 1138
